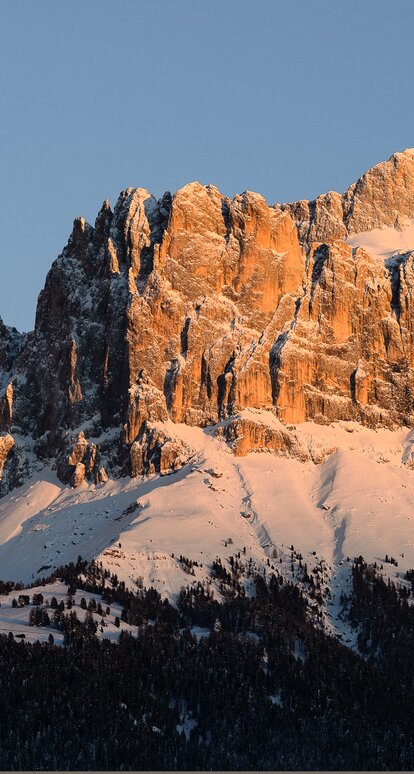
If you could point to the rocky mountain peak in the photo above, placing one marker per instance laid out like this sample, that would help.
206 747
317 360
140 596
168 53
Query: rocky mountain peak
383 196
194 307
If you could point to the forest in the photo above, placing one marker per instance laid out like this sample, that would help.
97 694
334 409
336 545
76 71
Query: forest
265 689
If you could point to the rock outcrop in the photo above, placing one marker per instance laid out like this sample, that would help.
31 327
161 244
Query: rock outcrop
158 451
6 408
195 307
255 431
80 461
6 445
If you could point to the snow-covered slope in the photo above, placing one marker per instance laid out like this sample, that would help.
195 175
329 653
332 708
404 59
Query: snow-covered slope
16 619
357 500
386 242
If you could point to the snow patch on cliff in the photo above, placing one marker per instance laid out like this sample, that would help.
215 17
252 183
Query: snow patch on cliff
385 242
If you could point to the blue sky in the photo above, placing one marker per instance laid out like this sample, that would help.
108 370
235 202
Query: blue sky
287 98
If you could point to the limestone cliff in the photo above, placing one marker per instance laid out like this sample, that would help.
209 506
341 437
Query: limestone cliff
194 307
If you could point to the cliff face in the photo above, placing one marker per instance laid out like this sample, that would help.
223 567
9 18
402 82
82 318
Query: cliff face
194 307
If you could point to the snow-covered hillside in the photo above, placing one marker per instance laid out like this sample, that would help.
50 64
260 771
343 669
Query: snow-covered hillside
16 619
355 498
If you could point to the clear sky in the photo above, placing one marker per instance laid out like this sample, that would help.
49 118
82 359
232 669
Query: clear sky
286 97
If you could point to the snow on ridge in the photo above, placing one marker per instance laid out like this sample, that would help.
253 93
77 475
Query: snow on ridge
385 242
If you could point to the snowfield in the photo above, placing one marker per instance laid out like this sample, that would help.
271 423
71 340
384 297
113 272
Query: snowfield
357 500
386 242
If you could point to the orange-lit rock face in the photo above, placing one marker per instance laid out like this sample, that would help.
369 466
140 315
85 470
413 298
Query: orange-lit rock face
249 432
218 276
196 306
381 197
229 310
6 445
349 353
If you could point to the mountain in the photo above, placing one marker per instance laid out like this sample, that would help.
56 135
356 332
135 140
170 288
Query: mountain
187 332
194 307
206 482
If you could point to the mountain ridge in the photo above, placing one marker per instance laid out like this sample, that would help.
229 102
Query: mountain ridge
195 307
